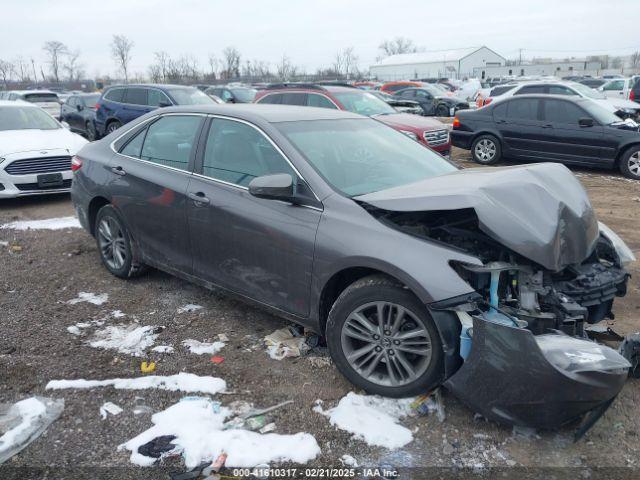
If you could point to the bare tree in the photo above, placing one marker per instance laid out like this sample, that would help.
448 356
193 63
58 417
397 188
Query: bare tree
55 51
159 69
285 70
231 63
213 67
22 69
346 62
121 52
634 59
72 66
615 62
397 46
6 71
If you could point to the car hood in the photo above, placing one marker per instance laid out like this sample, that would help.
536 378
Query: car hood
540 211
16 141
409 121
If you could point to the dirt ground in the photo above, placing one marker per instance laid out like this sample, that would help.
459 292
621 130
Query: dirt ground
35 348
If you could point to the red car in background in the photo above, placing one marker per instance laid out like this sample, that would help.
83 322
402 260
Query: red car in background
428 131
392 87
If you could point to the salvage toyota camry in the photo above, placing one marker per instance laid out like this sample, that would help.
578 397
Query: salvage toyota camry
418 274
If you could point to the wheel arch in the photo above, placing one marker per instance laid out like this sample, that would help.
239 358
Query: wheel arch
624 149
95 205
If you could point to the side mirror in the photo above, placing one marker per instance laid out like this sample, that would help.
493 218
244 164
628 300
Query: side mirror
585 122
66 125
80 107
231 100
273 187
164 104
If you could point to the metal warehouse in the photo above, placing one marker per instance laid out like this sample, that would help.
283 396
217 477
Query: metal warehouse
455 63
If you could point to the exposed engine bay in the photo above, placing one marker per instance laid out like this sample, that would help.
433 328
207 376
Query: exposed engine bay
518 287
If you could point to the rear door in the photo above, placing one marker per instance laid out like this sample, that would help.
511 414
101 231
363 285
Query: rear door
70 114
614 89
426 100
135 104
150 175
570 142
522 128
259 248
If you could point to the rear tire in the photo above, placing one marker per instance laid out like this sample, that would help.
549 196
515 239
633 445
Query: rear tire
90 128
630 163
117 250
442 111
486 150
399 356
112 126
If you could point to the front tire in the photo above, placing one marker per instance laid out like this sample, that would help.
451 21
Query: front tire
112 127
383 340
90 130
486 150
630 163
114 242
442 111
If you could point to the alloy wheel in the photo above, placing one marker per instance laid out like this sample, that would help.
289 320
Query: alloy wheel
386 343
113 247
634 164
485 150
112 127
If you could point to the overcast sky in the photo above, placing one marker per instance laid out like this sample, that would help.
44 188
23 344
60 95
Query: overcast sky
310 32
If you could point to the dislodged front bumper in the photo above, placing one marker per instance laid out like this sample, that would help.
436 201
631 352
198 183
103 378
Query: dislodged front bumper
509 378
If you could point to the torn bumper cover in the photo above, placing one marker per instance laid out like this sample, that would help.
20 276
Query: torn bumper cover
560 378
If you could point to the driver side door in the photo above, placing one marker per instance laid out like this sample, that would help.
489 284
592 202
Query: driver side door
262 249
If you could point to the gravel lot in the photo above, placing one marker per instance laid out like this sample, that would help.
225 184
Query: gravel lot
35 347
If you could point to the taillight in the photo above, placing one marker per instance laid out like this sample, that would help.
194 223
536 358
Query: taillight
632 96
456 122
96 107
488 100
76 164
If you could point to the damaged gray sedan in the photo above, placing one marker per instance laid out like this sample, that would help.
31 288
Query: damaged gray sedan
418 274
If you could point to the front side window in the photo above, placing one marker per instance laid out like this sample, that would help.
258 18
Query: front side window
315 100
529 89
423 94
190 96
156 97
225 95
71 101
524 109
136 96
614 85
26 118
557 111
91 100
561 90
237 153
244 95
170 140
358 156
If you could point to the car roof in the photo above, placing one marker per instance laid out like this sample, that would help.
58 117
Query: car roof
253 112
20 103
25 92
161 86
543 96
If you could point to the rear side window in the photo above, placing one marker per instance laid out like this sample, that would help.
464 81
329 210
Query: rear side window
531 89
237 153
272 99
524 109
500 110
395 88
557 111
315 100
614 85
71 101
294 98
169 141
560 90
136 96
496 91
115 94
134 147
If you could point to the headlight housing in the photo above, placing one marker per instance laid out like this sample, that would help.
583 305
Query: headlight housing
574 355
410 134
624 252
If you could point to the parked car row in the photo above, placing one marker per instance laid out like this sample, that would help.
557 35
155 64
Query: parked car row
44 99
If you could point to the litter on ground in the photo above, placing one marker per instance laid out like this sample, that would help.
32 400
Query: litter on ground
47 224
371 418
24 421
163 349
285 342
89 297
348 461
109 407
200 436
189 308
201 348
184 382
128 339
430 403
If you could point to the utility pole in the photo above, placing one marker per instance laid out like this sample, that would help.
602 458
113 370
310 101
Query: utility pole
520 61
35 75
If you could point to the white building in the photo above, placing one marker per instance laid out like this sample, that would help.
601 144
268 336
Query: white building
456 63
557 68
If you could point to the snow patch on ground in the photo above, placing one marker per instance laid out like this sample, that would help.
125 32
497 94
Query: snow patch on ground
198 428
201 348
129 339
89 298
371 418
47 224
163 349
118 314
188 308
184 382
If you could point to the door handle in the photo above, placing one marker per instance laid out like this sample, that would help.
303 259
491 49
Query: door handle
199 197
547 125
118 171
501 121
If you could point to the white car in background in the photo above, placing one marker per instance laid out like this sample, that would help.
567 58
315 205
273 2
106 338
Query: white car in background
35 151
45 99
618 87
622 107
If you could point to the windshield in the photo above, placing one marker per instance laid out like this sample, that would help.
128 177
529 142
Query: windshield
91 100
189 96
26 118
362 156
588 91
41 97
245 95
363 103
600 114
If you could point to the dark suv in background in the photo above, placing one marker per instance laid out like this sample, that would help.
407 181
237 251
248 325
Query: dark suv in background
121 104
427 131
